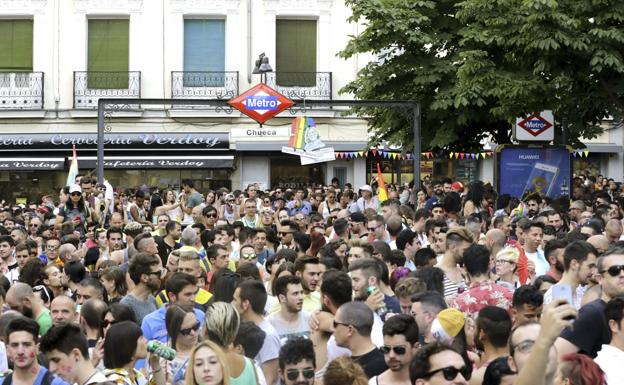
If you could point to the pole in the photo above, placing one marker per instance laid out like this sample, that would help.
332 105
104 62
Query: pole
416 128
100 143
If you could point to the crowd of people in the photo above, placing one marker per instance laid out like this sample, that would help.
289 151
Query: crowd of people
451 283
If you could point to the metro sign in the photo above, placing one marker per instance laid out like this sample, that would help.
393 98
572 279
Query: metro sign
535 124
536 127
261 103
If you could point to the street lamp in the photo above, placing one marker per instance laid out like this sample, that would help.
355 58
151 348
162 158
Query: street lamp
262 67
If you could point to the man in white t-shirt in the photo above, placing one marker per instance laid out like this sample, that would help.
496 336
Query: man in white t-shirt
290 321
249 300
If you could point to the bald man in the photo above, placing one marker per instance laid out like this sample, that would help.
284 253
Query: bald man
613 230
63 311
91 313
600 243
21 298
495 241
68 253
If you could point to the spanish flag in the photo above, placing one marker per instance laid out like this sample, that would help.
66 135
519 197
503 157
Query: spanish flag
382 192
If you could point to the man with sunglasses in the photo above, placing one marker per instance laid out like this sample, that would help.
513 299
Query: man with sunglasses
400 334
439 364
591 329
181 289
146 272
297 362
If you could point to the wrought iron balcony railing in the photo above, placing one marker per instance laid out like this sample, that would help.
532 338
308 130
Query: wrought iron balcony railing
21 90
302 85
204 84
90 86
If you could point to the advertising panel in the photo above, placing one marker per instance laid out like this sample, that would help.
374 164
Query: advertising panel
526 170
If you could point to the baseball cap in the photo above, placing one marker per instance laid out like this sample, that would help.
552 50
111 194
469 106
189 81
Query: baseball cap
457 186
75 188
366 188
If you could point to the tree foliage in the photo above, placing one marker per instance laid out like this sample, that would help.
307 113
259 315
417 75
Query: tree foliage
475 65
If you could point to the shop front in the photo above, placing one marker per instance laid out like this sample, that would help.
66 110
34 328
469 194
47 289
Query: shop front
33 164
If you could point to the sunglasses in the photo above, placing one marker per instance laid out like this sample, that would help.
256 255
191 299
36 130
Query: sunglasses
282 233
451 372
398 350
292 375
187 331
248 255
157 273
52 247
614 270
211 215
107 323
76 194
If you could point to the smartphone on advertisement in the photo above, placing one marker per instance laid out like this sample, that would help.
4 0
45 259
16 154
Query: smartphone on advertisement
560 291
541 179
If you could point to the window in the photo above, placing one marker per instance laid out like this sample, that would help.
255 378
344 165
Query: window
204 51
16 45
296 53
108 52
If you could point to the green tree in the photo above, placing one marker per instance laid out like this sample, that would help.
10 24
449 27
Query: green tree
475 65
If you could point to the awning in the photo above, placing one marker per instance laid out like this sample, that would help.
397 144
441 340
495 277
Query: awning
31 164
604 148
151 162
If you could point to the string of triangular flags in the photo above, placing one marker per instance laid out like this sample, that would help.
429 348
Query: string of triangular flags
580 153
423 155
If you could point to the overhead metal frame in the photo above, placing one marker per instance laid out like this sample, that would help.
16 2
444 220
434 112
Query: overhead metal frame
106 108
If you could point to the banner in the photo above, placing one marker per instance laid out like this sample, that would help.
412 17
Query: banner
524 170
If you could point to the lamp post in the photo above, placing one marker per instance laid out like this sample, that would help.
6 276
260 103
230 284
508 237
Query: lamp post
262 67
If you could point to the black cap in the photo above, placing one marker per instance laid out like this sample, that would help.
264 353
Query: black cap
358 217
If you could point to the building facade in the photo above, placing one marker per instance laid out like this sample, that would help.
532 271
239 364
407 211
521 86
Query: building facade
60 57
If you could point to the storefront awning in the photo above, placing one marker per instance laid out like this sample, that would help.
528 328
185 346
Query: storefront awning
604 148
31 164
151 162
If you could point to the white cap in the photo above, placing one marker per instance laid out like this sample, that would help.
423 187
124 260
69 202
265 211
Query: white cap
366 188
75 188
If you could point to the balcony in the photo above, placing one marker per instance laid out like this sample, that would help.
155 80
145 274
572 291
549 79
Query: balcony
21 90
302 85
204 85
90 86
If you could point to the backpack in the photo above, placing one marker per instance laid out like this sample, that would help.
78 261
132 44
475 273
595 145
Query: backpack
46 380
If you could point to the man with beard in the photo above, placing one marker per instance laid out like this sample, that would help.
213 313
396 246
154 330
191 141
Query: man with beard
534 205
21 298
63 310
309 270
493 329
146 271
579 263
366 274
553 251
297 362
290 321
438 194
169 242
457 240
400 334
7 253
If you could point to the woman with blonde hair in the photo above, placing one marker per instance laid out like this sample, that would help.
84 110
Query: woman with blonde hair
506 262
344 371
221 327
209 365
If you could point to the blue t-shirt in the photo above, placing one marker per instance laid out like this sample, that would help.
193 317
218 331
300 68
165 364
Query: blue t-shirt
55 380
154 328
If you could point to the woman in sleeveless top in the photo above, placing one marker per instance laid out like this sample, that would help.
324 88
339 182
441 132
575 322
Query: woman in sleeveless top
170 206
221 326
328 204
183 330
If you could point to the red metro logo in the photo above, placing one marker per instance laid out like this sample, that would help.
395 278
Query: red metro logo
535 125
261 103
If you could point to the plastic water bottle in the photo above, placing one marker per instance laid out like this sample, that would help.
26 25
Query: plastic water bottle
381 312
161 350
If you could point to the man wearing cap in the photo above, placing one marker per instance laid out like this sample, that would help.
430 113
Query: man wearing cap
367 200
458 187
447 325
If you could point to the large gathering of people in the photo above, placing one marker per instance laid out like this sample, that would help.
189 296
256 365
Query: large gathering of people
448 283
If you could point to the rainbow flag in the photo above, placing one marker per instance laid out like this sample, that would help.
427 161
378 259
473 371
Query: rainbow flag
73 168
297 133
382 192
